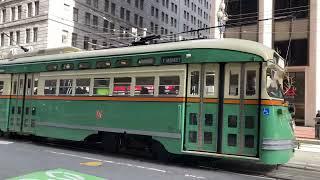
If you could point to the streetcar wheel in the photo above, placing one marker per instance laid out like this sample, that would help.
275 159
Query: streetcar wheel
160 153
110 143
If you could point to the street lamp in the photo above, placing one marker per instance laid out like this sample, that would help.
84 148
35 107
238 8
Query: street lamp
222 18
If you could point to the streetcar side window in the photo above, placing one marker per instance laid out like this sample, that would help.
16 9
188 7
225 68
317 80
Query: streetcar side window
65 87
1 87
35 86
122 86
209 85
21 86
144 86
15 83
50 87
195 82
234 84
169 85
101 87
82 86
251 85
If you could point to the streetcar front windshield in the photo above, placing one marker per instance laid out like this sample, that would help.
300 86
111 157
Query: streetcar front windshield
274 83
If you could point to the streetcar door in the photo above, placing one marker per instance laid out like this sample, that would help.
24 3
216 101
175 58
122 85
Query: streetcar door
240 109
29 110
202 108
16 102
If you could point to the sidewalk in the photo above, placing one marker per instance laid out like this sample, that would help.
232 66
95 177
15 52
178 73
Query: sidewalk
306 135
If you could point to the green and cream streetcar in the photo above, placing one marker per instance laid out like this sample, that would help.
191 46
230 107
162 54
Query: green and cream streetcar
215 98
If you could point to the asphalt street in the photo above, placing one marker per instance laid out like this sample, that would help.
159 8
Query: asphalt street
28 160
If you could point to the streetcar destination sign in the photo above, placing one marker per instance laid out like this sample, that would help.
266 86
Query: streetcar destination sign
171 60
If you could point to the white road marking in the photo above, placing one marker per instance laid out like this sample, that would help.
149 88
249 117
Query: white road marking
5 142
110 162
309 148
193 176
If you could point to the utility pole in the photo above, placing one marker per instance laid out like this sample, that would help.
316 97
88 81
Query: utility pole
222 17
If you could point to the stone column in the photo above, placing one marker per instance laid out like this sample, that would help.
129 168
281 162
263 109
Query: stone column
312 85
265 26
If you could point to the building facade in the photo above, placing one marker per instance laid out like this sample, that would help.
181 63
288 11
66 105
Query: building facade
292 28
95 24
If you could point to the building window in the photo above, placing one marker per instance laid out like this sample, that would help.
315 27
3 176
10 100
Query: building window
75 14
298 51
128 16
152 11
122 13
152 27
136 3
86 43
157 13
94 44
4 15
112 28
35 34
105 26
11 39
106 5
36 8
64 36
95 21
298 8
13 13
113 9
141 4
19 12
87 19
141 22
95 4
17 37
29 9
241 11
162 16
28 34
136 19
74 39
2 39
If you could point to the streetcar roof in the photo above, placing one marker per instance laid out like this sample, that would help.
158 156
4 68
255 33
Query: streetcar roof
228 44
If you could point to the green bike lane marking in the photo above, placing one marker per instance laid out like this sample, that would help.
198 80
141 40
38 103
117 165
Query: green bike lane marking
57 174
